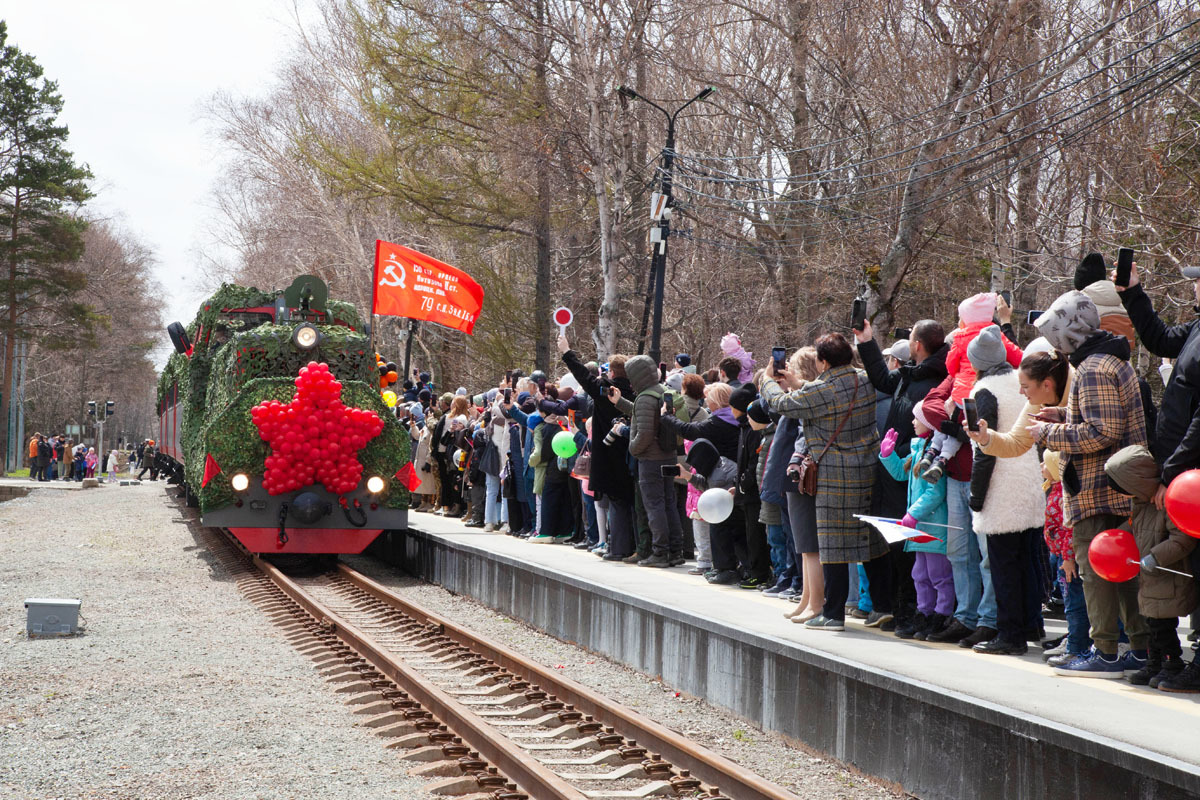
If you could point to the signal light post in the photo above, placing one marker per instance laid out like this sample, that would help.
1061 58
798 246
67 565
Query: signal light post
100 413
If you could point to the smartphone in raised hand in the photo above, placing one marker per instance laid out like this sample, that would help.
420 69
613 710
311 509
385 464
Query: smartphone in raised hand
858 314
1124 266
779 357
669 470
669 401
1032 317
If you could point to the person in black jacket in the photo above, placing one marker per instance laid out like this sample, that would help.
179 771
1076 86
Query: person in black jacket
908 385
1176 447
611 480
752 549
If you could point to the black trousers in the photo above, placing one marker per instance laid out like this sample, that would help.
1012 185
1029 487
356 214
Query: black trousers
727 539
620 527
516 514
1164 635
451 496
904 595
579 528
1018 582
556 509
757 563
837 586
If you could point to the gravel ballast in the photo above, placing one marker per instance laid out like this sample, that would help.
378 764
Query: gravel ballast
179 688
806 774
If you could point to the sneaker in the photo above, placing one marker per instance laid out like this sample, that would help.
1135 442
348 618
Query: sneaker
489 528
600 549
541 538
823 623
925 463
999 647
723 577
954 631
857 613
698 571
1093 664
1058 650
474 524
565 538
1150 669
678 560
751 583
877 619
982 634
789 594
656 560
1186 681
583 544
1062 659
1134 662
776 589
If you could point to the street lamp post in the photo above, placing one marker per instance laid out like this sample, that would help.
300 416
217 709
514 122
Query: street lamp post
658 242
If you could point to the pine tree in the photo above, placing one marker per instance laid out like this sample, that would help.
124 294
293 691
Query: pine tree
40 236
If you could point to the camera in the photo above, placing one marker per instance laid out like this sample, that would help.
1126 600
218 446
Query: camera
619 430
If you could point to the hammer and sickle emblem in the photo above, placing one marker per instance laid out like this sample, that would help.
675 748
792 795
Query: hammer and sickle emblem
394 273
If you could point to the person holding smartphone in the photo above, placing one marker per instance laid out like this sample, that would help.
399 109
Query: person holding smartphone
1008 508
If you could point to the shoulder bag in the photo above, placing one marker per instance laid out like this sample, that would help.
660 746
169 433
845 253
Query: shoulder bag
807 468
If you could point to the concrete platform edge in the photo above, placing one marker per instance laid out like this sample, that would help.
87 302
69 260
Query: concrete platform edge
852 711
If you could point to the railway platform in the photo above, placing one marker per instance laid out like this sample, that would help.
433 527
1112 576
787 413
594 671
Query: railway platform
938 720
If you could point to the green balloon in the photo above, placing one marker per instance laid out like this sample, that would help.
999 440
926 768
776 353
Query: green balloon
563 444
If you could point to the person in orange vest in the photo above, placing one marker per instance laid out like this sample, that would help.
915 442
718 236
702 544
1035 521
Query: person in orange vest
33 456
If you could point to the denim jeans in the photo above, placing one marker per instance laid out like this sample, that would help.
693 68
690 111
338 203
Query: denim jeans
702 531
963 551
1075 610
591 521
781 556
987 602
495 510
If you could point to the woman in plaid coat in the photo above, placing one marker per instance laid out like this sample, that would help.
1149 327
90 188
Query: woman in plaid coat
840 396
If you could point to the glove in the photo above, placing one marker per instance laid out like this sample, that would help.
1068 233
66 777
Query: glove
1149 562
909 521
950 428
888 445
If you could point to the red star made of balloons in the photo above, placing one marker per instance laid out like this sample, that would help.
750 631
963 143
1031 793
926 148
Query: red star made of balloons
314 438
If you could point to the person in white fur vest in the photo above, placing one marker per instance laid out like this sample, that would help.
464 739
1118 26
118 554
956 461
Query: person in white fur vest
1007 503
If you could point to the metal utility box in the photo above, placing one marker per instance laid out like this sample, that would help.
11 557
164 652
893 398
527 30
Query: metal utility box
51 616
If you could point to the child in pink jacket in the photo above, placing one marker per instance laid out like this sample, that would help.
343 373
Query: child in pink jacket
974 314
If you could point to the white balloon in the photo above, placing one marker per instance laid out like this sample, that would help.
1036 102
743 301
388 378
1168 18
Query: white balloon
715 505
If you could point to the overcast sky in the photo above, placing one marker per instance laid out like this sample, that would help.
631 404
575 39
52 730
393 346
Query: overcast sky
135 76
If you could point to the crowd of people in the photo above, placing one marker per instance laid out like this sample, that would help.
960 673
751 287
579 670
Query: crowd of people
58 457
1003 462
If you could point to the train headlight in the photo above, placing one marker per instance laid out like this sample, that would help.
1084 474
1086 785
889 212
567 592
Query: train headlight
305 336
375 484
240 482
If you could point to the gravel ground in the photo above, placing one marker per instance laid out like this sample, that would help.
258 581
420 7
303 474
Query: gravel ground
179 688
805 773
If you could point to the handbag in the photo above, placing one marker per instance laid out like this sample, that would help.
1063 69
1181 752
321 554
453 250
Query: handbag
807 468
583 462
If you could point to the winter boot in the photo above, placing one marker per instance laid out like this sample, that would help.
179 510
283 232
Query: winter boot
1186 681
934 623
909 628
1171 667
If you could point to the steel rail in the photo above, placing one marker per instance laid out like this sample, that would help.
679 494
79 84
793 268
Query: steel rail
530 775
703 763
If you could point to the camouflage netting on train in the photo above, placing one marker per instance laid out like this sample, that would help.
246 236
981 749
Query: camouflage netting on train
249 362
233 440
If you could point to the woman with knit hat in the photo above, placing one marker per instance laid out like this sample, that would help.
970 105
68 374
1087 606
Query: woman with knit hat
1007 504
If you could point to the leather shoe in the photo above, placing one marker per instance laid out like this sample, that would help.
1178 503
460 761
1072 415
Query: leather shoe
953 632
982 634
613 557
633 558
999 647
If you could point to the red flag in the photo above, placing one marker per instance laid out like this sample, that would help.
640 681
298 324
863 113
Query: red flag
411 284
408 476
211 468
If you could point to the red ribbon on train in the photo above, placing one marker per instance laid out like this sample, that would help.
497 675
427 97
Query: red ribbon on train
410 284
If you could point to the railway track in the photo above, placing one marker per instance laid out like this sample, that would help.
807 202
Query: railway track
477 718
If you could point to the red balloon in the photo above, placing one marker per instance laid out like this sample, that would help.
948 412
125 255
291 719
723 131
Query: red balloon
1183 502
1114 555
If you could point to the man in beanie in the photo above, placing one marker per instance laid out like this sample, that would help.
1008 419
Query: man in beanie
1091 269
1103 415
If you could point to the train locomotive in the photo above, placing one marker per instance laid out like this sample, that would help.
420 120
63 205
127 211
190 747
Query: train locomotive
271 420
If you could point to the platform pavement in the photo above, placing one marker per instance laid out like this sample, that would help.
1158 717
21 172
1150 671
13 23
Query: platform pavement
1162 728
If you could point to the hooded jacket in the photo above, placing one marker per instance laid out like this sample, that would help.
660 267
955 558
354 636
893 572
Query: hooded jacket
1104 414
926 501
1177 445
1160 594
712 470
644 425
